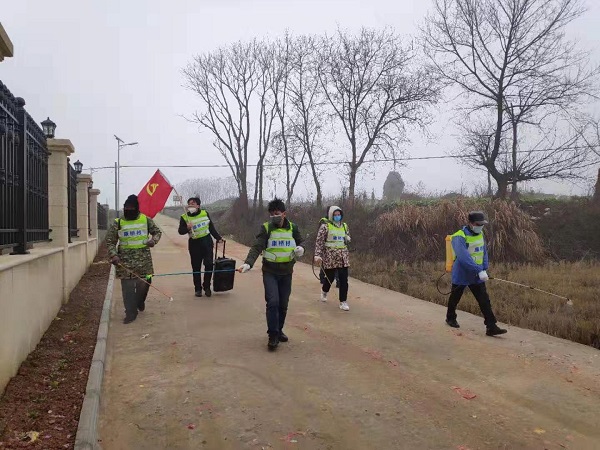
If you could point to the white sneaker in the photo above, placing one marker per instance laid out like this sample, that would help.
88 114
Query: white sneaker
323 296
344 306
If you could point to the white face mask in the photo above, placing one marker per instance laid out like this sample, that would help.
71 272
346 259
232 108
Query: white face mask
477 229
192 209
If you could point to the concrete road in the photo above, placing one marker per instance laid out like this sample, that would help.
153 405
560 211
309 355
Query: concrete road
195 373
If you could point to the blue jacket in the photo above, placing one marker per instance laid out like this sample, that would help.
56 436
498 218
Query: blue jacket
465 271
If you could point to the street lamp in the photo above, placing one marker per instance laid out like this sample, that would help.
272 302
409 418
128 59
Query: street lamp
49 127
78 166
120 145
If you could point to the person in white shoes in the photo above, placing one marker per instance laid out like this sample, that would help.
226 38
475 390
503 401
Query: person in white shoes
331 253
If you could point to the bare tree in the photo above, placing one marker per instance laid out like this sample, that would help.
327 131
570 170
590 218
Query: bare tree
209 190
376 88
307 117
225 81
269 86
511 58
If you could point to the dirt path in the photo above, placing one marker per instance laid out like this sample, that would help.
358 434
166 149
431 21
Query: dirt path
381 376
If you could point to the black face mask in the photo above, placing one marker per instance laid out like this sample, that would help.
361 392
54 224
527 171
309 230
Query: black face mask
131 214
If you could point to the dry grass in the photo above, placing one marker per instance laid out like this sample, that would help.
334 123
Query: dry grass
512 304
417 233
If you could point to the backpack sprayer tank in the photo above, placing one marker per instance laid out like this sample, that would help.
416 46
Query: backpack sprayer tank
449 254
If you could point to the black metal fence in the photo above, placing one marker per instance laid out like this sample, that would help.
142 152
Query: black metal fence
102 217
72 200
23 176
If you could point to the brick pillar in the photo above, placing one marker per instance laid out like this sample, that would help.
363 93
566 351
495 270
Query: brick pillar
58 211
83 184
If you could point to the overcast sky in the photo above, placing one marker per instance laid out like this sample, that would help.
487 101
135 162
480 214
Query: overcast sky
100 68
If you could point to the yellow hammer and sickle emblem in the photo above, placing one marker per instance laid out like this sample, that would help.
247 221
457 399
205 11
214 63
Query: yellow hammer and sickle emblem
151 188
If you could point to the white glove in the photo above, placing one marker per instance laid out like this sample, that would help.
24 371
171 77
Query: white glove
318 260
245 268
483 276
299 251
348 238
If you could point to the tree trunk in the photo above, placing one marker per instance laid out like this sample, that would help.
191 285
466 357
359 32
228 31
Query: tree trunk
502 190
490 192
256 185
352 187
596 199
514 192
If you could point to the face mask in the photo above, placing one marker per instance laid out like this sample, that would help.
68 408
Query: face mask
477 229
130 214
337 218
277 220
192 209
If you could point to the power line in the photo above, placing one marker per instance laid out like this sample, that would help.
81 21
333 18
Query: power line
323 163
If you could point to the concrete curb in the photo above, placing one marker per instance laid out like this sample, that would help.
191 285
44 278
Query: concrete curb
87 430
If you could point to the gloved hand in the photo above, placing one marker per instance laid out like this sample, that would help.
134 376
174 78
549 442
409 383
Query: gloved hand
347 239
318 260
115 260
483 276
245 268
299 251
150 243
189 226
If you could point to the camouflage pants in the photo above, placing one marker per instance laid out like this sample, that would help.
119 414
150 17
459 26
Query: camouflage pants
134 292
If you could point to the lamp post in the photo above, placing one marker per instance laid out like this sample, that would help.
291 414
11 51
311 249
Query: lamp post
120 145
78 165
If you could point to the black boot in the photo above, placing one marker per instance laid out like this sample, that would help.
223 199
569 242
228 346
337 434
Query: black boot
207 291
198 293
141 306
452 323
273 342
494 330
283 337
128 319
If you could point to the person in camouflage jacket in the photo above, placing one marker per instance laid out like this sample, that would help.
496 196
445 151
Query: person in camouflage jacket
129 241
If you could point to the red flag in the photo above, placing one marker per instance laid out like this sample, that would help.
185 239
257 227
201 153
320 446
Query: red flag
154 194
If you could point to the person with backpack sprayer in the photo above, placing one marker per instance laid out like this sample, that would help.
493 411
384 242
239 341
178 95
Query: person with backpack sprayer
469 268
129 241
321 271
197 224
280 243
331 253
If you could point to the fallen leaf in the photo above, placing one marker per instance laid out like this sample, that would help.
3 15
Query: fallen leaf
33 436
465 393
191 426
144 336
539 431
141 385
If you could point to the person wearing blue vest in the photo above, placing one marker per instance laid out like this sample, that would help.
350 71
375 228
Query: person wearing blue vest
197 224
470 269
129 241
280 243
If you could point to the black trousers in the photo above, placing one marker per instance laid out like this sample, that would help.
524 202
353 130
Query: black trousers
322 277
201 253
342 278
482 297
277 297
134 293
